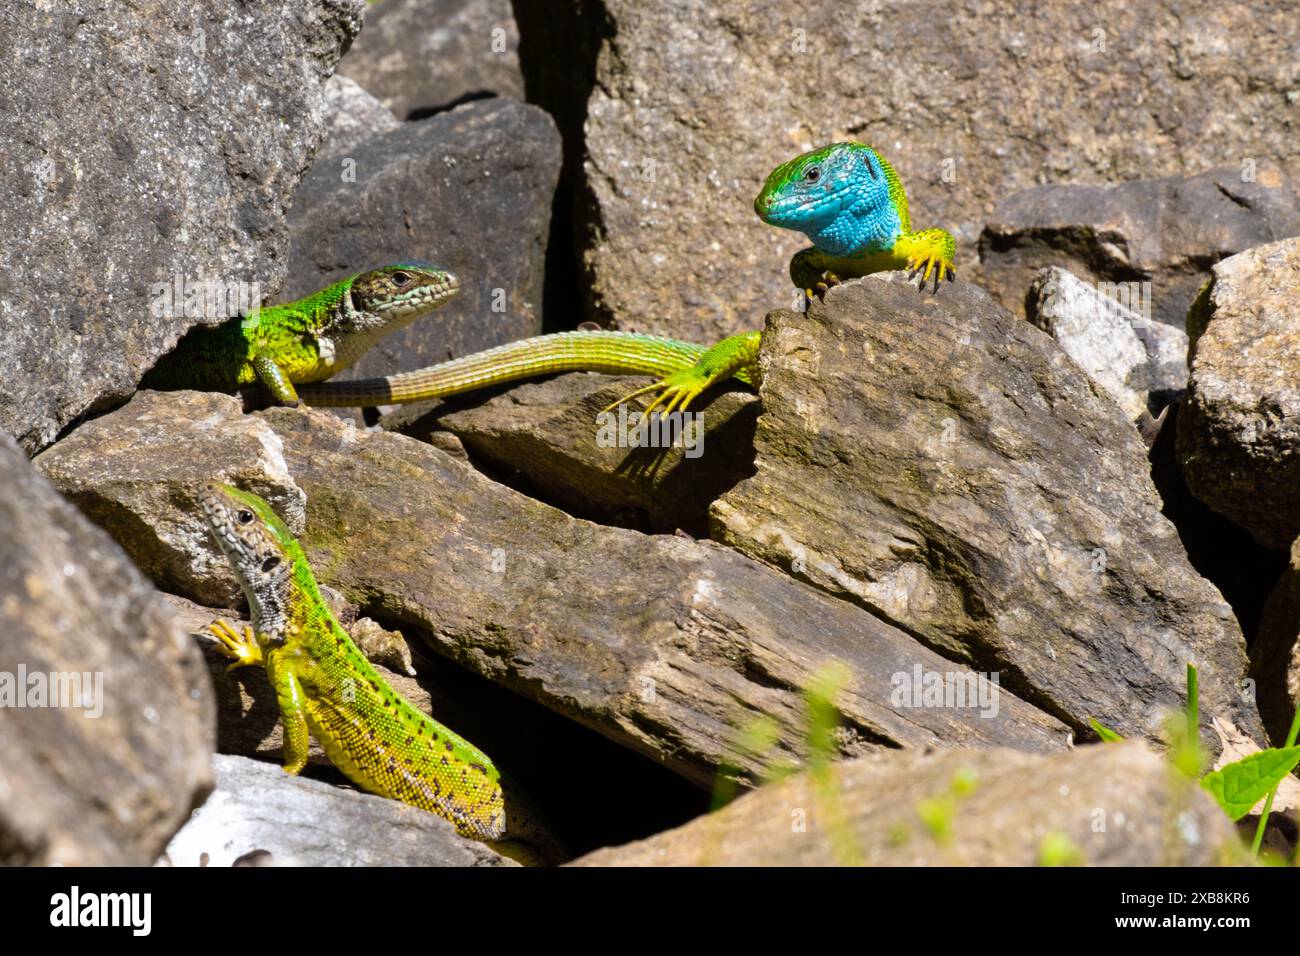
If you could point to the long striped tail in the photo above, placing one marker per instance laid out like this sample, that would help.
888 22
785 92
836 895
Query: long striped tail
614 353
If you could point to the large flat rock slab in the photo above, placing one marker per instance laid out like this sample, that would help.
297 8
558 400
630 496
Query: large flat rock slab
944 464
661 643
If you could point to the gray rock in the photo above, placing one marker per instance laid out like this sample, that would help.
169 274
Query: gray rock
419 56
690 104
165 146
1103 805
1239 428
352 116
261 816
105 778
469 190
538 437
152 510
944 464
1122 351
1094 331
1163 234
663 644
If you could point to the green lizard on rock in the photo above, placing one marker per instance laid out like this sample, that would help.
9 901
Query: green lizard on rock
849 201
325 686
309 340
845 197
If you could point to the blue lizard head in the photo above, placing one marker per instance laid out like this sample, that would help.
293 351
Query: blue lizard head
844 197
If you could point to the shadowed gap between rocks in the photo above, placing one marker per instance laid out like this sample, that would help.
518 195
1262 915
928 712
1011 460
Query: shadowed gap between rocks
560 79
427 111
527 437
1220 551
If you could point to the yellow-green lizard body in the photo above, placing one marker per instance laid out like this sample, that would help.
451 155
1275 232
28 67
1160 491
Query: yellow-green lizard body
326 688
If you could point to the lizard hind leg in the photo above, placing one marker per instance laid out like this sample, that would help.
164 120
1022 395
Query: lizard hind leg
734 355
675 391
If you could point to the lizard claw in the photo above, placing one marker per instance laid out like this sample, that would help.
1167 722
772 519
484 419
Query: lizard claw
930 264
829 280
674 392
243 649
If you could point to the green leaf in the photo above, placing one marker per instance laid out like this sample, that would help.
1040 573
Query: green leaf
1104 732
1240 785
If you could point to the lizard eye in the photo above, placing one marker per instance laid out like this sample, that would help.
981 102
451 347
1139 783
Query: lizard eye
244 516
400 278
270 564
812 174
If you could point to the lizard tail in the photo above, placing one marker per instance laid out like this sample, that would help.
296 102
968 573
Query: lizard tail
615 353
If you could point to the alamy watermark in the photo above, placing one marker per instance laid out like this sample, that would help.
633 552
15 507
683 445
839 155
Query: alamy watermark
62 689
677 429
954 690
185 298
75 908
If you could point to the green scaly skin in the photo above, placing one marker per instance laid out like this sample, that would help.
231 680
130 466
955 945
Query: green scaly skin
326 687
282 346
848 200
853 206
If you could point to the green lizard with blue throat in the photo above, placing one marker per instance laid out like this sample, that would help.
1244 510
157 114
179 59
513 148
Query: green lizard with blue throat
845 197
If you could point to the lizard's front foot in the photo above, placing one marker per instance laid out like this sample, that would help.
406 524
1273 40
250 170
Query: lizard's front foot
940 268
242 649
827 282
675 392
927 253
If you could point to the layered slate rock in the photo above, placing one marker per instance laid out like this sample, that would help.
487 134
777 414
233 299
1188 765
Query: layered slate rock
421 56
1104 805
469 190
944 464
539 437
671 646
261 816
1166 232
166 146
153 511
105 707
689 104
1125 353
1239 428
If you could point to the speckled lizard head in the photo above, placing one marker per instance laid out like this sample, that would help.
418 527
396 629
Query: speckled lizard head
402 289
378 303
262 551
